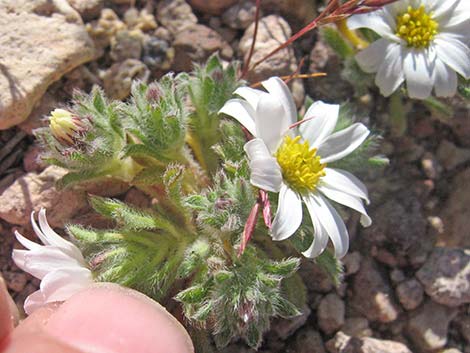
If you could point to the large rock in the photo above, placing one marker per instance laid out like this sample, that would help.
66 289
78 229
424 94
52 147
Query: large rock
446 276
273 31
372 294
36 50
428 327
342 343
33 191
456 213
195 44
399 226
330 313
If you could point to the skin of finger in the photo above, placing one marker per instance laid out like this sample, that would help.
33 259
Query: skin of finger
35 343
110 318
35 322
6 316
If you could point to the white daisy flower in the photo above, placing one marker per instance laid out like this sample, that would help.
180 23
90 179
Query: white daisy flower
58 263
292 160
424 42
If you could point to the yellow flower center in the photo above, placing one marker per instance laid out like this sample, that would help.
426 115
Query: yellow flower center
416 27
300 165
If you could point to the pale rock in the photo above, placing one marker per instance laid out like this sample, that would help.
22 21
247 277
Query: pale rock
451 156
117 80
213 7
35 51
342 343
34 191
105 28
446 276
428 326
240 15
42 8
330 313
37 118
140 20
298 12
195 44
451 350
175 15
372 294
357 326
284 328
410 294
456 213
126 45
88 9
352 262
273 31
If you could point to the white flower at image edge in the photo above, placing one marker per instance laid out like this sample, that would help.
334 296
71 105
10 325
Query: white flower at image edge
58 263
292 161
424 42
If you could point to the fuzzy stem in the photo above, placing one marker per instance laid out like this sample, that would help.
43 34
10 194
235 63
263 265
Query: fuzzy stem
397 112
351 36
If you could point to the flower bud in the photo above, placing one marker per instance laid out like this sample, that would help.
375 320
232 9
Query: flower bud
64 126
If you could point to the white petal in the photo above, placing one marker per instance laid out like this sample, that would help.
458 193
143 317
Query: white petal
271 121
332 222
18 257
266 174
42 261
38 230
34 301
343 180
26 242
277 88
450 13
419 81
242 112
265 171
56 240
379 21
342 143
251 95
390 74
347 200
453 53
288 216
323 121
370 58
445 80
256 148
320 240
61 284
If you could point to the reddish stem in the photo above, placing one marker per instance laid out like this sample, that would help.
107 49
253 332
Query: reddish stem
246 66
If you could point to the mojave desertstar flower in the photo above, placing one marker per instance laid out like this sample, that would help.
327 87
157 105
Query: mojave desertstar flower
58 263
292 161
424 42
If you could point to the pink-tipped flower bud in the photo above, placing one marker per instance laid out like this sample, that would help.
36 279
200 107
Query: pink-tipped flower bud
65 126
